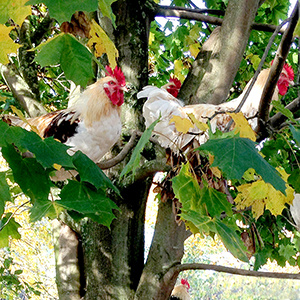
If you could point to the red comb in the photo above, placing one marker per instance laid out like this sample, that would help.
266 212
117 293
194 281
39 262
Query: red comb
116 73
289 70
174 88
185 282
176 81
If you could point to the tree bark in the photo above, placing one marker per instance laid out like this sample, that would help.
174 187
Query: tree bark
226 55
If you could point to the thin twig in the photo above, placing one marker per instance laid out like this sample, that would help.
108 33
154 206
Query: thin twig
261 63
198 15
235 271
275 71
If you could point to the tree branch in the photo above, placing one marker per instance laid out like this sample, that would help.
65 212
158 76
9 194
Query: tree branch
198 15
235 271
275 71
107 164
21 92
277 120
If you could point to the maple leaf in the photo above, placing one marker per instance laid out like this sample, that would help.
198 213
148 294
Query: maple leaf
242 126
200 125
8 228
234 156
15 10
105 7
63 49
178 68
260 195
62 10
182 124
102 44
194 49
7 45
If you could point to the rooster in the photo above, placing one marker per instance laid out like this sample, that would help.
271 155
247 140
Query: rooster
181 292
92 125
160 103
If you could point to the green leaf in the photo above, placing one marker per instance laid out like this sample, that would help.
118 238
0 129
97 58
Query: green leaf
231 239
287 251
134 161
45 208
4 192
105 7
187 190
261 257
202 200
296 134
62 10
280 107
28 173
94 204
204 224
91 173
8 230
236 155
294 180
47 151
67 49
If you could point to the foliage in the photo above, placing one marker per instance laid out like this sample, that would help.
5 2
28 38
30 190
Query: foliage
249 168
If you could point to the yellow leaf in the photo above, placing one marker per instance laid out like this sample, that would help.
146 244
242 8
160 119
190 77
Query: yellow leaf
102 44
215 170
7 45
151 38
57 167
194 49
182 124
202 126
178 68
242 126
14 9
260 195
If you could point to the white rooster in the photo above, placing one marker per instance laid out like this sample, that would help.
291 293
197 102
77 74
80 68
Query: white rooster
160 103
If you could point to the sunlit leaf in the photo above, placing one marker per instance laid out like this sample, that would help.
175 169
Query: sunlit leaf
200 125
242 126
8 228
14 9
63 49
45 208
7 45
205 200
135 158
182 124
102 44
105 7
260 196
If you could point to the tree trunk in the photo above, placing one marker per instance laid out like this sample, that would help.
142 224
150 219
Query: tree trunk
225 57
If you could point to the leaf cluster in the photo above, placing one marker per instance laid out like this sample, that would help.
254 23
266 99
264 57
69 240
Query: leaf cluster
33 162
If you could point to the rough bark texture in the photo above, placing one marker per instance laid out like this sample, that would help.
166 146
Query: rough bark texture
21 92
68 253
226 55
166 251
114 258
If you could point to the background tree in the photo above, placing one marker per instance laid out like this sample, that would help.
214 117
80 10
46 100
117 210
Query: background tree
102 257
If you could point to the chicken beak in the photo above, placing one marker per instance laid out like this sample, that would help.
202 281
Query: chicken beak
124 88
